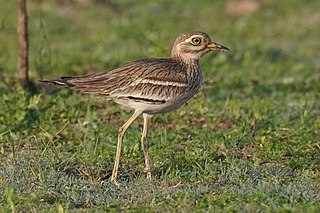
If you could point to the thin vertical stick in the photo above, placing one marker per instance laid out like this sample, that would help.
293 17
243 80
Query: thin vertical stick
23 61
254 126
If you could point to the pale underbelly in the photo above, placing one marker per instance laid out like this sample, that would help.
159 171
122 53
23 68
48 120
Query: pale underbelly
152 107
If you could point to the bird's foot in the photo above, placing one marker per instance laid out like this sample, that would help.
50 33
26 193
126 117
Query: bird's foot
148 173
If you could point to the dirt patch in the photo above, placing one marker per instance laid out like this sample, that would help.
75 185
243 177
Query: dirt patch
220 124
239 8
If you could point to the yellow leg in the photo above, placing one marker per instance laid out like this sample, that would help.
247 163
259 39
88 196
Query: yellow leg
122 131
145 146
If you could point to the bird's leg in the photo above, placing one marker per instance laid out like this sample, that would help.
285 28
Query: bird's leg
145 146
122 131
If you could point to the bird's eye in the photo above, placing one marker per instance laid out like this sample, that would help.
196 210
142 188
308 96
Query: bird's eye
196 41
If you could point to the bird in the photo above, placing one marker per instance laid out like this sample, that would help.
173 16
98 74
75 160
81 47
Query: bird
149 86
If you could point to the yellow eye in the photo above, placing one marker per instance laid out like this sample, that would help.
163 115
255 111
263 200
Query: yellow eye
196 41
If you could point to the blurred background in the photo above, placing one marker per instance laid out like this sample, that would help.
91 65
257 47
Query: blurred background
69 37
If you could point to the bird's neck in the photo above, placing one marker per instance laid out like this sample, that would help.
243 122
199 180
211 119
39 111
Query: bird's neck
191 65
193 74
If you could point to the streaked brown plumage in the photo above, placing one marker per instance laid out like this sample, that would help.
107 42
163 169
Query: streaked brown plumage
150 86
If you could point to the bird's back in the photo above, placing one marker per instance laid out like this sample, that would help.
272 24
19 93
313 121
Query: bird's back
156 83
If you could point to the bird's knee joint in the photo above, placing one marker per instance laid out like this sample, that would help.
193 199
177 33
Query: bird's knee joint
121 130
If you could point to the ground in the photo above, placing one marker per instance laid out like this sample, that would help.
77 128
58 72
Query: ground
249 141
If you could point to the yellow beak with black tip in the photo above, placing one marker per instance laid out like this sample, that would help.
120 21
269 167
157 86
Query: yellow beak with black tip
217 47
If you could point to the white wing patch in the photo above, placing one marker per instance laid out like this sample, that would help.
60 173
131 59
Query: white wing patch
156 82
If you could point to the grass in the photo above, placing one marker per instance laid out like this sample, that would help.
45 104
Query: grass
249 141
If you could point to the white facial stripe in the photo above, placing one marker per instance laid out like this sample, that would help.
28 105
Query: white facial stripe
198 36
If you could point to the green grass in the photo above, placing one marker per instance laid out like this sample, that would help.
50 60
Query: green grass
57 146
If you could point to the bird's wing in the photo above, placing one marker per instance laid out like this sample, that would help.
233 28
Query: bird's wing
149 79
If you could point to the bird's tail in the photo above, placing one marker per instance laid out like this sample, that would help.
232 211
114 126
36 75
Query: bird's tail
61 82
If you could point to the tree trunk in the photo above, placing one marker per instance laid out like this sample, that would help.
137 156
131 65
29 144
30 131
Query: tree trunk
23 62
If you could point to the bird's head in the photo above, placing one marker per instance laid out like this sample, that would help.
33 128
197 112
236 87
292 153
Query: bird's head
192 45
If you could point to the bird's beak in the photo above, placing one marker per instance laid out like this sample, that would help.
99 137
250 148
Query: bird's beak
217 47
